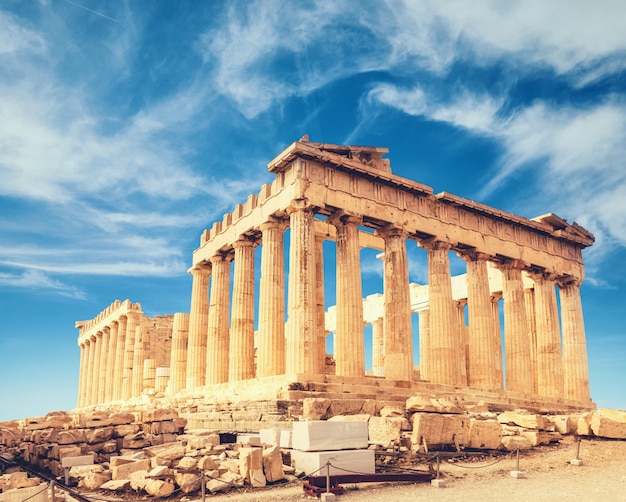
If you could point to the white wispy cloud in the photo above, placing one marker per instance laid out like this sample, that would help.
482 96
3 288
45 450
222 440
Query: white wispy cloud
39 281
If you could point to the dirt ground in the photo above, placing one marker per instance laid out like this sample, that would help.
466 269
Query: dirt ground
549 476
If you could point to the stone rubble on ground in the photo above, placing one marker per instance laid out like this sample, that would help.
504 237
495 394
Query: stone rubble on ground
153 452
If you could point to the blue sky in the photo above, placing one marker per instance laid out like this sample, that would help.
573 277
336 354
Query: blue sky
126 128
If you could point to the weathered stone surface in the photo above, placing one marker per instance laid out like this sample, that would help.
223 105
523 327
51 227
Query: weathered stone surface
167 451
383 430
362 417
187 464
73 436
122 467
126 430
438 429
315 408
160 415
217 485
431 404
345 407
583 424
197 442
485 434
392 411
353 460
138 480
250 463
206 463
159 488
188 482
270 436
609 423
116 485
136 441
273 464
562 423
513 443
537 438
99 435
526 420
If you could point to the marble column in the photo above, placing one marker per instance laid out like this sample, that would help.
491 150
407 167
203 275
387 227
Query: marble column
444 366
320 311
549 359
138 357
110 364
133 319
463 338
576 369
529 301
82 374
102 363
120 354
485 353
301 334
178 357
349 340
378 347
91 386
271 328
397 324
424 339
516 334
241 366
495 313
95 382
198 326
218 338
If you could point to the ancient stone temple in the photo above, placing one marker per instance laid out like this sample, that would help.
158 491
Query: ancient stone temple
509 330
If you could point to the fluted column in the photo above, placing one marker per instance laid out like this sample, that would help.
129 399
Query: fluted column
549 359
102 363
178 359
110 364
398 336
91 386
445 365
349 342
463 338
320 311
495 313
120 354
516 334
82 374
133 320
271 351
218 336
529 301
241 365
378 347
576 369
301 336
424 339
97 344
484 334
138 357
198 325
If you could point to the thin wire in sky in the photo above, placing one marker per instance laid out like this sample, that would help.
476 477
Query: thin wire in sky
93 11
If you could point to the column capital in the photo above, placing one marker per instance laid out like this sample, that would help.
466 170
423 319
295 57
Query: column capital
473 255
391 231
434 244
343 217
221 257
202 268
540 274
274 223
563 281
300 205
509 264
245 242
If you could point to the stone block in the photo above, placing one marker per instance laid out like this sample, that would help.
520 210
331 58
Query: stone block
99 435
206 463
383 430
36 493
609 423
583 424
310 462
562 424
138 480
345 407
273 464
69 451
72 436
537 438
513 443
250 464
187 464
159 488
217 485
160 415
167 451
392 411
270 436
526 420
485 434
126 430
122 467
116 485
136 441
195 442
286 438
249 439
437 429
318 435
315 408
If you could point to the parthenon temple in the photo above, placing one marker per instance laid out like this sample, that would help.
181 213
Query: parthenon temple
510 327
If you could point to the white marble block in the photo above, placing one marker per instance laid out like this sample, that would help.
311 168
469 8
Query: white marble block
341 461
270 436
320 435
285 438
